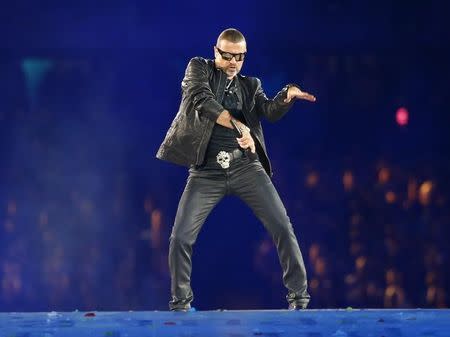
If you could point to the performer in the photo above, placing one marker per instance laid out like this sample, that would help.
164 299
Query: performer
215 94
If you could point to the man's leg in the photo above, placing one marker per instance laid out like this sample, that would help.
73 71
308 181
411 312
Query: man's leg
252 184
202 192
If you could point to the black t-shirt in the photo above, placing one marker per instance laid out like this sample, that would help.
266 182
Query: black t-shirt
222 138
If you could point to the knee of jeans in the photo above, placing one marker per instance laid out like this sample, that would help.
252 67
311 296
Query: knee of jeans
284 229
181 240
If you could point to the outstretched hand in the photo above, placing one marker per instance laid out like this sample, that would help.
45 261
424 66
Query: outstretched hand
295 92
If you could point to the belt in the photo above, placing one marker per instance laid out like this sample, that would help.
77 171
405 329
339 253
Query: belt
224 158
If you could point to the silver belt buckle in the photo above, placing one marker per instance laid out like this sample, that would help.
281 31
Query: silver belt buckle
223 158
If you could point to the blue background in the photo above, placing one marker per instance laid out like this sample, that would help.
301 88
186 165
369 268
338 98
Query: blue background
88 91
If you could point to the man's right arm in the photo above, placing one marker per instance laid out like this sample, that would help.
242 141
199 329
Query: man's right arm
196 87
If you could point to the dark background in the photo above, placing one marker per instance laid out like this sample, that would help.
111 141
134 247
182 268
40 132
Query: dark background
88 91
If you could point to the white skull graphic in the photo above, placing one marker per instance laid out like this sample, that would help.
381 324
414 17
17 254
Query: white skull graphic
223 158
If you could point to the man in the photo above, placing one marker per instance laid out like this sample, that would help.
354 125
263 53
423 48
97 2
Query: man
202 137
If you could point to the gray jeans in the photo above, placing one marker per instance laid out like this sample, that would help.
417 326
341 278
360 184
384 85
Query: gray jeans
205 187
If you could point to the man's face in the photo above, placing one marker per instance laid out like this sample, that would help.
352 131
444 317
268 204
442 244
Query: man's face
231 67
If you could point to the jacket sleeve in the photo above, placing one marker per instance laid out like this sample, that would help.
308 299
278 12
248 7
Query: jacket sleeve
196 87
272 109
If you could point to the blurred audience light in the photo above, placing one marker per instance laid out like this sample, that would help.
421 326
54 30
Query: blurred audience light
314 284
312 179
402 116
320 267
361 263
148 205
425 192
314 252
390 197
155 230
384 174
156 219
348 180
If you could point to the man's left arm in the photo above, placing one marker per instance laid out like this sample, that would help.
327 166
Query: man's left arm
274 109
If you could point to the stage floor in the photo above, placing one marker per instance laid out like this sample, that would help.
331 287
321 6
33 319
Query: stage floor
233 323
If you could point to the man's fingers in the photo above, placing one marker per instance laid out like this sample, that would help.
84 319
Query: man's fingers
245 144
242 143
302 95
246 141
308 97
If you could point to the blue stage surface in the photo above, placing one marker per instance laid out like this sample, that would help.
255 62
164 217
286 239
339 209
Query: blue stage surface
273 323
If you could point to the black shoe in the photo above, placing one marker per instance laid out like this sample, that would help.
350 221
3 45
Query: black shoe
298 300
297 306
180 309
183 305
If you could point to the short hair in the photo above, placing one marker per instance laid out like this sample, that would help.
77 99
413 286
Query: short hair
231 35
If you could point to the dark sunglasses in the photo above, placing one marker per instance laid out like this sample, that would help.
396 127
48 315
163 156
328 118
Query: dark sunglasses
228 56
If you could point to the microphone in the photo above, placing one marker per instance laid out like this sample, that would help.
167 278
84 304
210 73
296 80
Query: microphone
252 156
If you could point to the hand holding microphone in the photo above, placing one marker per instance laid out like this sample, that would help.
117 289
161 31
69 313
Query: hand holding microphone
245 139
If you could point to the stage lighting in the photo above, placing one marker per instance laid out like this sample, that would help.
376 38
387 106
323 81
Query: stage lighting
402 116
